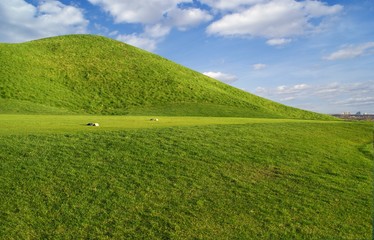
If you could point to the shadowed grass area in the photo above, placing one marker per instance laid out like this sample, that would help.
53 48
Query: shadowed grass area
96 75
257 180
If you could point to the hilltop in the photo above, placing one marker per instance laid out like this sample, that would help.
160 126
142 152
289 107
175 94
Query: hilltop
87 74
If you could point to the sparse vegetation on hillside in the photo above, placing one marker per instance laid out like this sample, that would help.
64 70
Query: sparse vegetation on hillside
97 75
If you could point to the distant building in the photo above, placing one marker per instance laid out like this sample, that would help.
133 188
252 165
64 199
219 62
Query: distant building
357 116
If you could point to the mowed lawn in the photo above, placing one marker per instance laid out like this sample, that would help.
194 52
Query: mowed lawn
34 124
184 178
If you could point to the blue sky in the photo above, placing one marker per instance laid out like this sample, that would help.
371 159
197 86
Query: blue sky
314 55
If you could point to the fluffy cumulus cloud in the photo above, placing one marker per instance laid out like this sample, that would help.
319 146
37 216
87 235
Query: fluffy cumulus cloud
21 21
224 77
276 20
154 33
158 17
140 11
145 43
153 12
352 51
146 40
319 9
185 18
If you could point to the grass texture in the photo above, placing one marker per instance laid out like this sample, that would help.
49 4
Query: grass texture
221 179
30 124
80 74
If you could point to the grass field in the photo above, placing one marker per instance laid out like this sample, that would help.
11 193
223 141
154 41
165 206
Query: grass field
184 178
22 124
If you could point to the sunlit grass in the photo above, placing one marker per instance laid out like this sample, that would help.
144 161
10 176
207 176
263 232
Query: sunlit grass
85 74
189 178
26 124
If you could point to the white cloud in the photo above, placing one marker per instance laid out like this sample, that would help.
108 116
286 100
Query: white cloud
269 20
21 21
231 4
147 40
274 19
333 96
278 41
258 66
156 31
285 93
293 89
261 90
227 78
101 28
329 89
145 43
286 99
356 90
320 9
301 86
153 12
357 101
140 11
153 33
185 18
158 18
352 51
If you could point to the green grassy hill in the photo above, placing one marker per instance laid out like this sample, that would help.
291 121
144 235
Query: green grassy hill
87 74
255 175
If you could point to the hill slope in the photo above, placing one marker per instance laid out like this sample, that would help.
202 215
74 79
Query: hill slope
97 75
